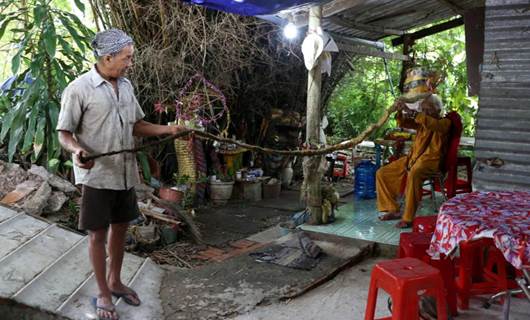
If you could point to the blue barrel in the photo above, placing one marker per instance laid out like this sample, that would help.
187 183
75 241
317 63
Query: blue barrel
365 180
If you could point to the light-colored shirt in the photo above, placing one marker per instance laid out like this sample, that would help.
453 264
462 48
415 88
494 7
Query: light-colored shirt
102 121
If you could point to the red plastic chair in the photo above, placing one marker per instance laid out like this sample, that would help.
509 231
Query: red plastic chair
464 186
424 224
415 245
460 186
482 269
404 280
448 174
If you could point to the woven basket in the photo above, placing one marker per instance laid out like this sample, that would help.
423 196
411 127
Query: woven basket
186 162
185 159
185 156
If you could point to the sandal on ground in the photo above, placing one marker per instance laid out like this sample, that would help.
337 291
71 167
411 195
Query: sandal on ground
108 308
403 224
130 297
390 216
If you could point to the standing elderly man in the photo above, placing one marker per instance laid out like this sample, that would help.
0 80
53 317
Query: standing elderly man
423 160
99 113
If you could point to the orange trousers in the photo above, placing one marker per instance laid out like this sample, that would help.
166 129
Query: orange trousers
389 180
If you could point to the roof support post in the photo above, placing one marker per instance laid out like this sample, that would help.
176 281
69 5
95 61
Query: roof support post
408 42
312 174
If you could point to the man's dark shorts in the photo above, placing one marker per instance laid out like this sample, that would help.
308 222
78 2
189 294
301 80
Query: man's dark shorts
102 207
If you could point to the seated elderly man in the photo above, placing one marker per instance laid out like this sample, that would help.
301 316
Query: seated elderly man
422 161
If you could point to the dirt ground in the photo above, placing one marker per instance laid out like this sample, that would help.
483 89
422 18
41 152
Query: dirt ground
238 220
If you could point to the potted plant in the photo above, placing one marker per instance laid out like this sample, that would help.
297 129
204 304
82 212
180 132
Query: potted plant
177 191
221 187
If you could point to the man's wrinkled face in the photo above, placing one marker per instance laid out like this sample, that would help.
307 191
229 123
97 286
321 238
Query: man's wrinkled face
119 64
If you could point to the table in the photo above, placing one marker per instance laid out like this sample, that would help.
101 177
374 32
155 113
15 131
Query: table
399 146
503 216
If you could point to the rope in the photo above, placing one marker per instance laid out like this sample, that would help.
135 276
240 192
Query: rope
298 152
389 78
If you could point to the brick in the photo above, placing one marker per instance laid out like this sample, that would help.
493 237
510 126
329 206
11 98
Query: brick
209 254
243 243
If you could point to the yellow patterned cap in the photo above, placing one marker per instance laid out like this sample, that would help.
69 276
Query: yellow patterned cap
419 84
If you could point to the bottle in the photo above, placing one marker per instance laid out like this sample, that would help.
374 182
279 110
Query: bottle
364 187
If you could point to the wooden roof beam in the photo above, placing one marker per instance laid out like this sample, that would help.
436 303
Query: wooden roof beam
365 27
430 31
328 10
373 52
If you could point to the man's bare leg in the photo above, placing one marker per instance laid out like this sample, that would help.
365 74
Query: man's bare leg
116 251
96 250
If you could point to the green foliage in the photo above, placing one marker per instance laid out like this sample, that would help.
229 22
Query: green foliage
364 93
144 164
446 53
50 47
184 180
361 97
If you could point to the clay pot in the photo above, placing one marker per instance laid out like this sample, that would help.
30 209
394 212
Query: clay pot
221 192
170 194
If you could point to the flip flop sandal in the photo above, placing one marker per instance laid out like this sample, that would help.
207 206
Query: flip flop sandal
403 224
390 216
126 296
109 308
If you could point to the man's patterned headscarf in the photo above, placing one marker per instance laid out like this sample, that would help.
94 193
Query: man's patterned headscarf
110 42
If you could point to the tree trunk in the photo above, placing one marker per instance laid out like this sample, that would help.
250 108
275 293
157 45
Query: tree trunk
312 175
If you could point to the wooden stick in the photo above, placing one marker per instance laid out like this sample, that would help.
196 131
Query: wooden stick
160 216
344 145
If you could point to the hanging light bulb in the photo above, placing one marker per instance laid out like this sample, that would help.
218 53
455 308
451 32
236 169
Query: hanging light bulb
290 31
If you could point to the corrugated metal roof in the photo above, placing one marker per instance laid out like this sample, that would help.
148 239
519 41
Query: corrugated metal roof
391 14
503 120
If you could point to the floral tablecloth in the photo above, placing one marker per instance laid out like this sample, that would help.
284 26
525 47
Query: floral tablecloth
503 216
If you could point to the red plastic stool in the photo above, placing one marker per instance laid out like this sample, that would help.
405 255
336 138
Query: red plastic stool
405 280
498 271
475 275
415 245
426 224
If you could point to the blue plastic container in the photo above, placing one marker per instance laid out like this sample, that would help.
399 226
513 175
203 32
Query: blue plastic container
364 187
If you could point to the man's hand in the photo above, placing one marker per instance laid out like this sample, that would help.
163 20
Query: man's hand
398 105
77 159
68 142
173 130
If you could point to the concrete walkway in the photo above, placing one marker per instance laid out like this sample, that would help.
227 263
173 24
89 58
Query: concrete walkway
344 298
46 267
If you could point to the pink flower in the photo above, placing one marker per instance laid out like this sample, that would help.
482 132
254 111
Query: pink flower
159 107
